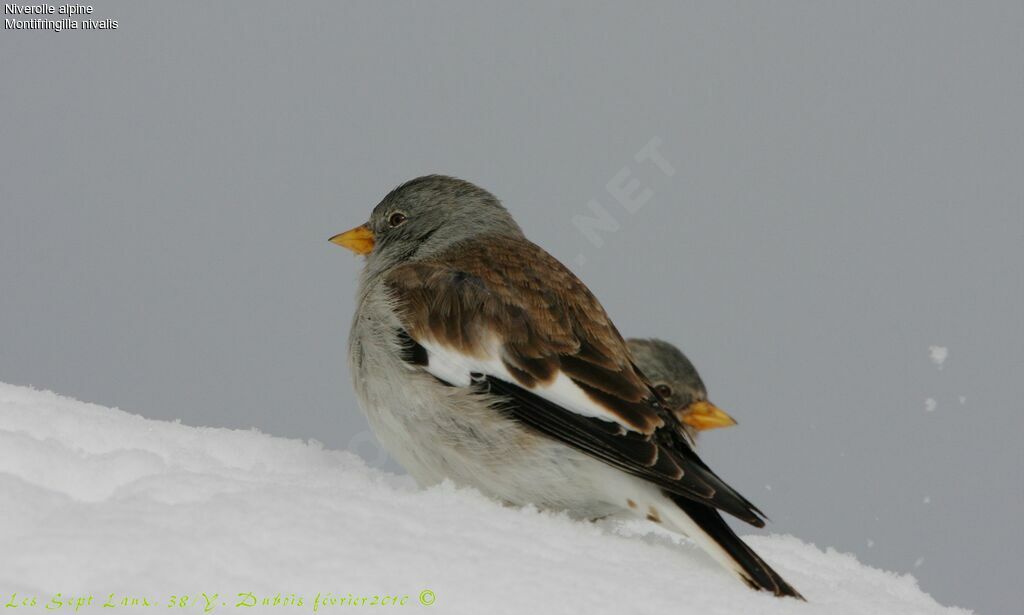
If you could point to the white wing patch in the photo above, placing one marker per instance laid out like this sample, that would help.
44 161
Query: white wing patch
457 369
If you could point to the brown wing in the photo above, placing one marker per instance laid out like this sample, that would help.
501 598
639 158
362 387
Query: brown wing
544 318
564 368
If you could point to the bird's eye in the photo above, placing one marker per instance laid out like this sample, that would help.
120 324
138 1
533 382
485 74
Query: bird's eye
396 219
664 390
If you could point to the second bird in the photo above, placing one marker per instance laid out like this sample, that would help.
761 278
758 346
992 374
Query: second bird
676 380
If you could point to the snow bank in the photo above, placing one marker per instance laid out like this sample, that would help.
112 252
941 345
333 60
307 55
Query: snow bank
98 502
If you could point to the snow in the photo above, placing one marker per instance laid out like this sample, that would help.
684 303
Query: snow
97 501
938 355
930 404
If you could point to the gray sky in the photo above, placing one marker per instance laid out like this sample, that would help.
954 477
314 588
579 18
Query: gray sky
848 191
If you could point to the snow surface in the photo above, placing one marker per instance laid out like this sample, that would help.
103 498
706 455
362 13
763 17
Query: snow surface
98 501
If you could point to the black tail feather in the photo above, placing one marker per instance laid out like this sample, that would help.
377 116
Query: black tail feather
757 573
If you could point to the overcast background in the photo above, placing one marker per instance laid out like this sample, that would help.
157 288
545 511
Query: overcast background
848 191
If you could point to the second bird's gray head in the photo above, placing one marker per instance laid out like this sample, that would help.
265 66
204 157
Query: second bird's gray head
424 216
676 380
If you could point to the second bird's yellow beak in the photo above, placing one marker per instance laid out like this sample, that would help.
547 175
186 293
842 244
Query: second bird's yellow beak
704 415
359 239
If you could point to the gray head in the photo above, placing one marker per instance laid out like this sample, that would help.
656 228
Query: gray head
424 216
676 379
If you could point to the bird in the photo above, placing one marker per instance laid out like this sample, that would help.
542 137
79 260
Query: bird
676 380
479 358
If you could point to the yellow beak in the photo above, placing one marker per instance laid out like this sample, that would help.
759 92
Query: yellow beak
359 239
704 415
